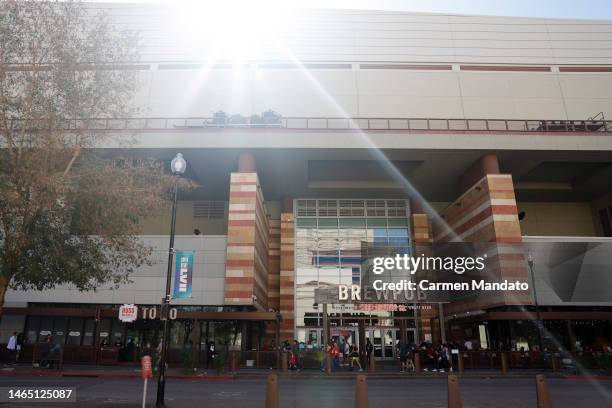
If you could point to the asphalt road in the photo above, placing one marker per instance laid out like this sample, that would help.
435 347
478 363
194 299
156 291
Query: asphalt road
320 393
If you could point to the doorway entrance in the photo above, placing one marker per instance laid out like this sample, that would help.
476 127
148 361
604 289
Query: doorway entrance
385 340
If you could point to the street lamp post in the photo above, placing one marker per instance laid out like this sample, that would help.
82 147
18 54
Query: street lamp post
540 323
178 167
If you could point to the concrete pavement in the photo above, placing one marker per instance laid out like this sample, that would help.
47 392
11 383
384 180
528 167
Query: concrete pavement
323 393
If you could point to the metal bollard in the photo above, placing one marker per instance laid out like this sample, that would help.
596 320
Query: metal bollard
554 363
504 363
284 365
272 391
361 392
543 392
233 361
454 396
460 366
417 362
372 363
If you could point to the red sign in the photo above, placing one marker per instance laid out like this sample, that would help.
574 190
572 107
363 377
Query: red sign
147 370
128 313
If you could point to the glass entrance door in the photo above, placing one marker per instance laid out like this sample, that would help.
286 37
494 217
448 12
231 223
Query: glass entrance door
384 341
411 336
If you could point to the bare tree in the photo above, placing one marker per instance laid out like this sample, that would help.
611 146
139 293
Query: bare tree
68 213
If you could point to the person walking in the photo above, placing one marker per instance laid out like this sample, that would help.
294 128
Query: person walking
20 342
346 352
369 350
404 356
336 354
11 346
354 358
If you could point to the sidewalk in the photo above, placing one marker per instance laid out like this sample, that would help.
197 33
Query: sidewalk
70 370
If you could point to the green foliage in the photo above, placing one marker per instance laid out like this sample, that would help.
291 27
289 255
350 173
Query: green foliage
68 213
219 363
187 359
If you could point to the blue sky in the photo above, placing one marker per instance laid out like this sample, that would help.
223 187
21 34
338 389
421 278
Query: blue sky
572 9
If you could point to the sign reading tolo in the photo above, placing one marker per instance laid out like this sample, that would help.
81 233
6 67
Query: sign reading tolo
128 313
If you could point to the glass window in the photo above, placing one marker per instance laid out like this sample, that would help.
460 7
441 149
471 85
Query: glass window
46 328
378 236
306 222
329 276
328 223
88 332
118 334
398 222
329 242
397 232
377 222
60 327
352 222
75 331
328 259
398 236
179 333
32 327
226 333
105 335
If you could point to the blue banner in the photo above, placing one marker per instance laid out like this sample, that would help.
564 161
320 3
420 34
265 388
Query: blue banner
183 275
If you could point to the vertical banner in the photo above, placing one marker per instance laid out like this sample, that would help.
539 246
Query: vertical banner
183 274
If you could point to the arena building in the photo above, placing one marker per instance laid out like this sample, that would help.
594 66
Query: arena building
351 127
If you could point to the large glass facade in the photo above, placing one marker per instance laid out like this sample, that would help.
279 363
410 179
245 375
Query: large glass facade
328 240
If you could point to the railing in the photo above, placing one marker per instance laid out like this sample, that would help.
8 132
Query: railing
490 359
595 361
328 123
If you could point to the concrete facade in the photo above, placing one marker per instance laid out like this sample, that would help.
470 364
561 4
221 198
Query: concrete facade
375 106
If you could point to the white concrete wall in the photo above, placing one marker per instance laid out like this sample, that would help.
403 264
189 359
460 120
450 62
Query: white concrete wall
169 33
149 281
354 37
375 93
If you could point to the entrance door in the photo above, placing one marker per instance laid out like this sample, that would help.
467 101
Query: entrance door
390 337
384 341
411 336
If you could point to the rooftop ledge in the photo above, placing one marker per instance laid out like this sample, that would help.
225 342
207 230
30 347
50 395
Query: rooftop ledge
332 123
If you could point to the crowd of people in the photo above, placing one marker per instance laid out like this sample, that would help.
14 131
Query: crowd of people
339 353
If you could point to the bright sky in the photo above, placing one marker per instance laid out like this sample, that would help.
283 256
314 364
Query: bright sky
576 9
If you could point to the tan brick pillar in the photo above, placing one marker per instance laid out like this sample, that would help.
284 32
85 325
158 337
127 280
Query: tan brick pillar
287 274
246 269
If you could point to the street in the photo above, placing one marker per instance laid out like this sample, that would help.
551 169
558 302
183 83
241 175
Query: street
320 393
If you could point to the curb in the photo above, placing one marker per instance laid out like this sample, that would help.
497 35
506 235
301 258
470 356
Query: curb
293 376
101 374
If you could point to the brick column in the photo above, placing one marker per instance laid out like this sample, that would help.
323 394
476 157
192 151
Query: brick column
487 213
287 274
273 275
246 273
421 231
